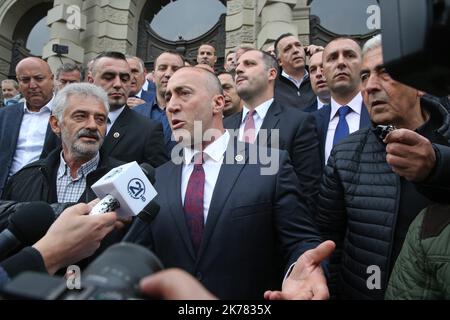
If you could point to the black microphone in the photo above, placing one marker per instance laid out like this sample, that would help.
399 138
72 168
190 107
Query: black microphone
149 171
147 215
142 221
26 226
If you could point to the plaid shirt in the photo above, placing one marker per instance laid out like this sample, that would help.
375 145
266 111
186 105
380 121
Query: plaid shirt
69 189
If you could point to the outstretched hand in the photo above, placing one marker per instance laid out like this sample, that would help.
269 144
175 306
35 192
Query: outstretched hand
307 280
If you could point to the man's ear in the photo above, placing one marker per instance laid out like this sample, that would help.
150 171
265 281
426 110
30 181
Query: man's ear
273 73
54 124
218 104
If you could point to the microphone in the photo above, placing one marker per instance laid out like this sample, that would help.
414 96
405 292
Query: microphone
142 221
125 189
26 226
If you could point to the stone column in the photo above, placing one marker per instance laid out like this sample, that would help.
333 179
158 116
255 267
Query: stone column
66 22
109 27
300 17
241 23
276 19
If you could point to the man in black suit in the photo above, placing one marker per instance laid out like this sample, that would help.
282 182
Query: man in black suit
130 136
222 220
277 125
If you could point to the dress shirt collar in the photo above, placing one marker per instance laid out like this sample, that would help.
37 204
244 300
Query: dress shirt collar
113 115
47 107
84 170
260 110
214 151
355 105
139 94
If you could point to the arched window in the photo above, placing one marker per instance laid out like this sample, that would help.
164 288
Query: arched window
187 19
38 37
347 17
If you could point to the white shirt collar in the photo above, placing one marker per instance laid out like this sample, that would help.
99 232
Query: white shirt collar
47 107
214 151
139 94
260 110
355 104
113 115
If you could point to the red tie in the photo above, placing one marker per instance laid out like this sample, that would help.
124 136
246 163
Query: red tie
249 128
193 202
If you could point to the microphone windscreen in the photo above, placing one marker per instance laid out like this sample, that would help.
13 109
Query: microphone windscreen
31 221
149 171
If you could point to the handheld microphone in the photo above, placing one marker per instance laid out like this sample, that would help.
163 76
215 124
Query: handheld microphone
142 221
26 226
125 189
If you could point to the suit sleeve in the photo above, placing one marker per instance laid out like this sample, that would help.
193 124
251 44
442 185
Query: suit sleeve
294 222
331 217
306 160
155 150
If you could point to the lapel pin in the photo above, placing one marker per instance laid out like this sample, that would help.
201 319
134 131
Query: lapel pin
116 135
239 158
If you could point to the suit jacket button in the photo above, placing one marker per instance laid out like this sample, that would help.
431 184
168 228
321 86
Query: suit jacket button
199 276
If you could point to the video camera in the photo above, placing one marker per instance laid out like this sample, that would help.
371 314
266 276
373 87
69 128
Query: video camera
415 43
114 275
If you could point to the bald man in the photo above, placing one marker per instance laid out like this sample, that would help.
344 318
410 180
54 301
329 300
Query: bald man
25 135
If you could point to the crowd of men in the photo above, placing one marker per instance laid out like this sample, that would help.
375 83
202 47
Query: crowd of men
343 195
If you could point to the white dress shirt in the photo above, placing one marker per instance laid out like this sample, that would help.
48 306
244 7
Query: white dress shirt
353 120
112 117
31 136
213 156
258 117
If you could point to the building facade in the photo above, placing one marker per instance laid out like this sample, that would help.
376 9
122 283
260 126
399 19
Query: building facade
79 29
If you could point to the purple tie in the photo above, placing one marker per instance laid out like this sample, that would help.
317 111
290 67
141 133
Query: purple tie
193 202
249 128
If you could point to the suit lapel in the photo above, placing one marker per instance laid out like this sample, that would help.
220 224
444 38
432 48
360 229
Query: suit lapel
14 122
229 172
173 196
271 121
117 131
323 120
364 121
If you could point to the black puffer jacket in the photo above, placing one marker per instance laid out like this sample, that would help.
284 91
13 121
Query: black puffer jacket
358 206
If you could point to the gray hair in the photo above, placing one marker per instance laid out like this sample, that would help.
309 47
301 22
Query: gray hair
11 81
80 89
371 44
141 62
69 67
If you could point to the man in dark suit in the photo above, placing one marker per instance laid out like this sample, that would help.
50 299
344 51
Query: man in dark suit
346 113
276 125
25 134
221 219
318 83
165 65
130 136
138 95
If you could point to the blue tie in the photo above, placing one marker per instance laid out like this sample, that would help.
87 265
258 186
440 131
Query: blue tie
342 127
